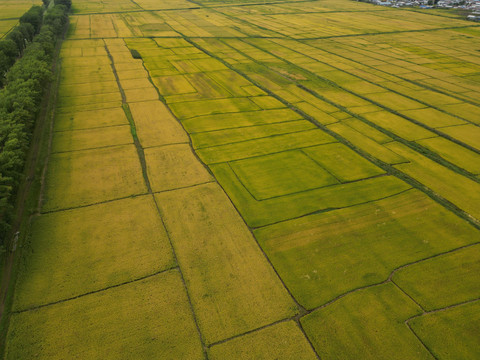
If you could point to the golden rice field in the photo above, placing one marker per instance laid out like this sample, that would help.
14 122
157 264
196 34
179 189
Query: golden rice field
253 180
11 11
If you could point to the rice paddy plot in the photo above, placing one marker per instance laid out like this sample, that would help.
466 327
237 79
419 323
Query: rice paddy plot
452 333
398 125
92 176
236 84
261 213
322 256
142 94
209 64
319 115
264 146
185 110
456 154
468 134
338 96
281 341
395 101
232 287
173 85
89 101
433 117
132 64
444 280
343 163
174 166
86 106
366 144
66 257
267 102
89 119
228 136
91 138
367 130
93 61
466 111
15 8
6 26
237 120
461 191
133 74
367 324
99 325
85 6
206 89
140 83
281 174
155 125
90 88
82 76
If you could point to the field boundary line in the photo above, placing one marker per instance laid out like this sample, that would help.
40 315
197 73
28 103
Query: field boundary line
391 32
420 340
389 279
272 152
165 145
246 22
301 309
372 82
399 76
335 208
93 204
407 294
141 156
309 190
410 143
407 322
383 165
258 138
185 187
250 331
97 291
443 309
242 127
90 128
92 148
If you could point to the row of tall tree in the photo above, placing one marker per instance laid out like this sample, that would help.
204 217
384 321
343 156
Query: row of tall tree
24 85
17 39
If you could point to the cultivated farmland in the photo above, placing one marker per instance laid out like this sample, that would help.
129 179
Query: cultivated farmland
244 180
11 11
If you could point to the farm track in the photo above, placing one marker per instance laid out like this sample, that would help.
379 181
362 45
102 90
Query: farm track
209 189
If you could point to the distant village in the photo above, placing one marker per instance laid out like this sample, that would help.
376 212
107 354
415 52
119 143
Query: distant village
471 7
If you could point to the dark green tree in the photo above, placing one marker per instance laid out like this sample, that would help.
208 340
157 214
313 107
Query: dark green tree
67 3
33 16
17 37
27 30
9 48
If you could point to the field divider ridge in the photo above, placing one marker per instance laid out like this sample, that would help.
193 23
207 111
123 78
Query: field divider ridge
389 279
399 76
97 291
141 155
383 165
412 144
301 310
